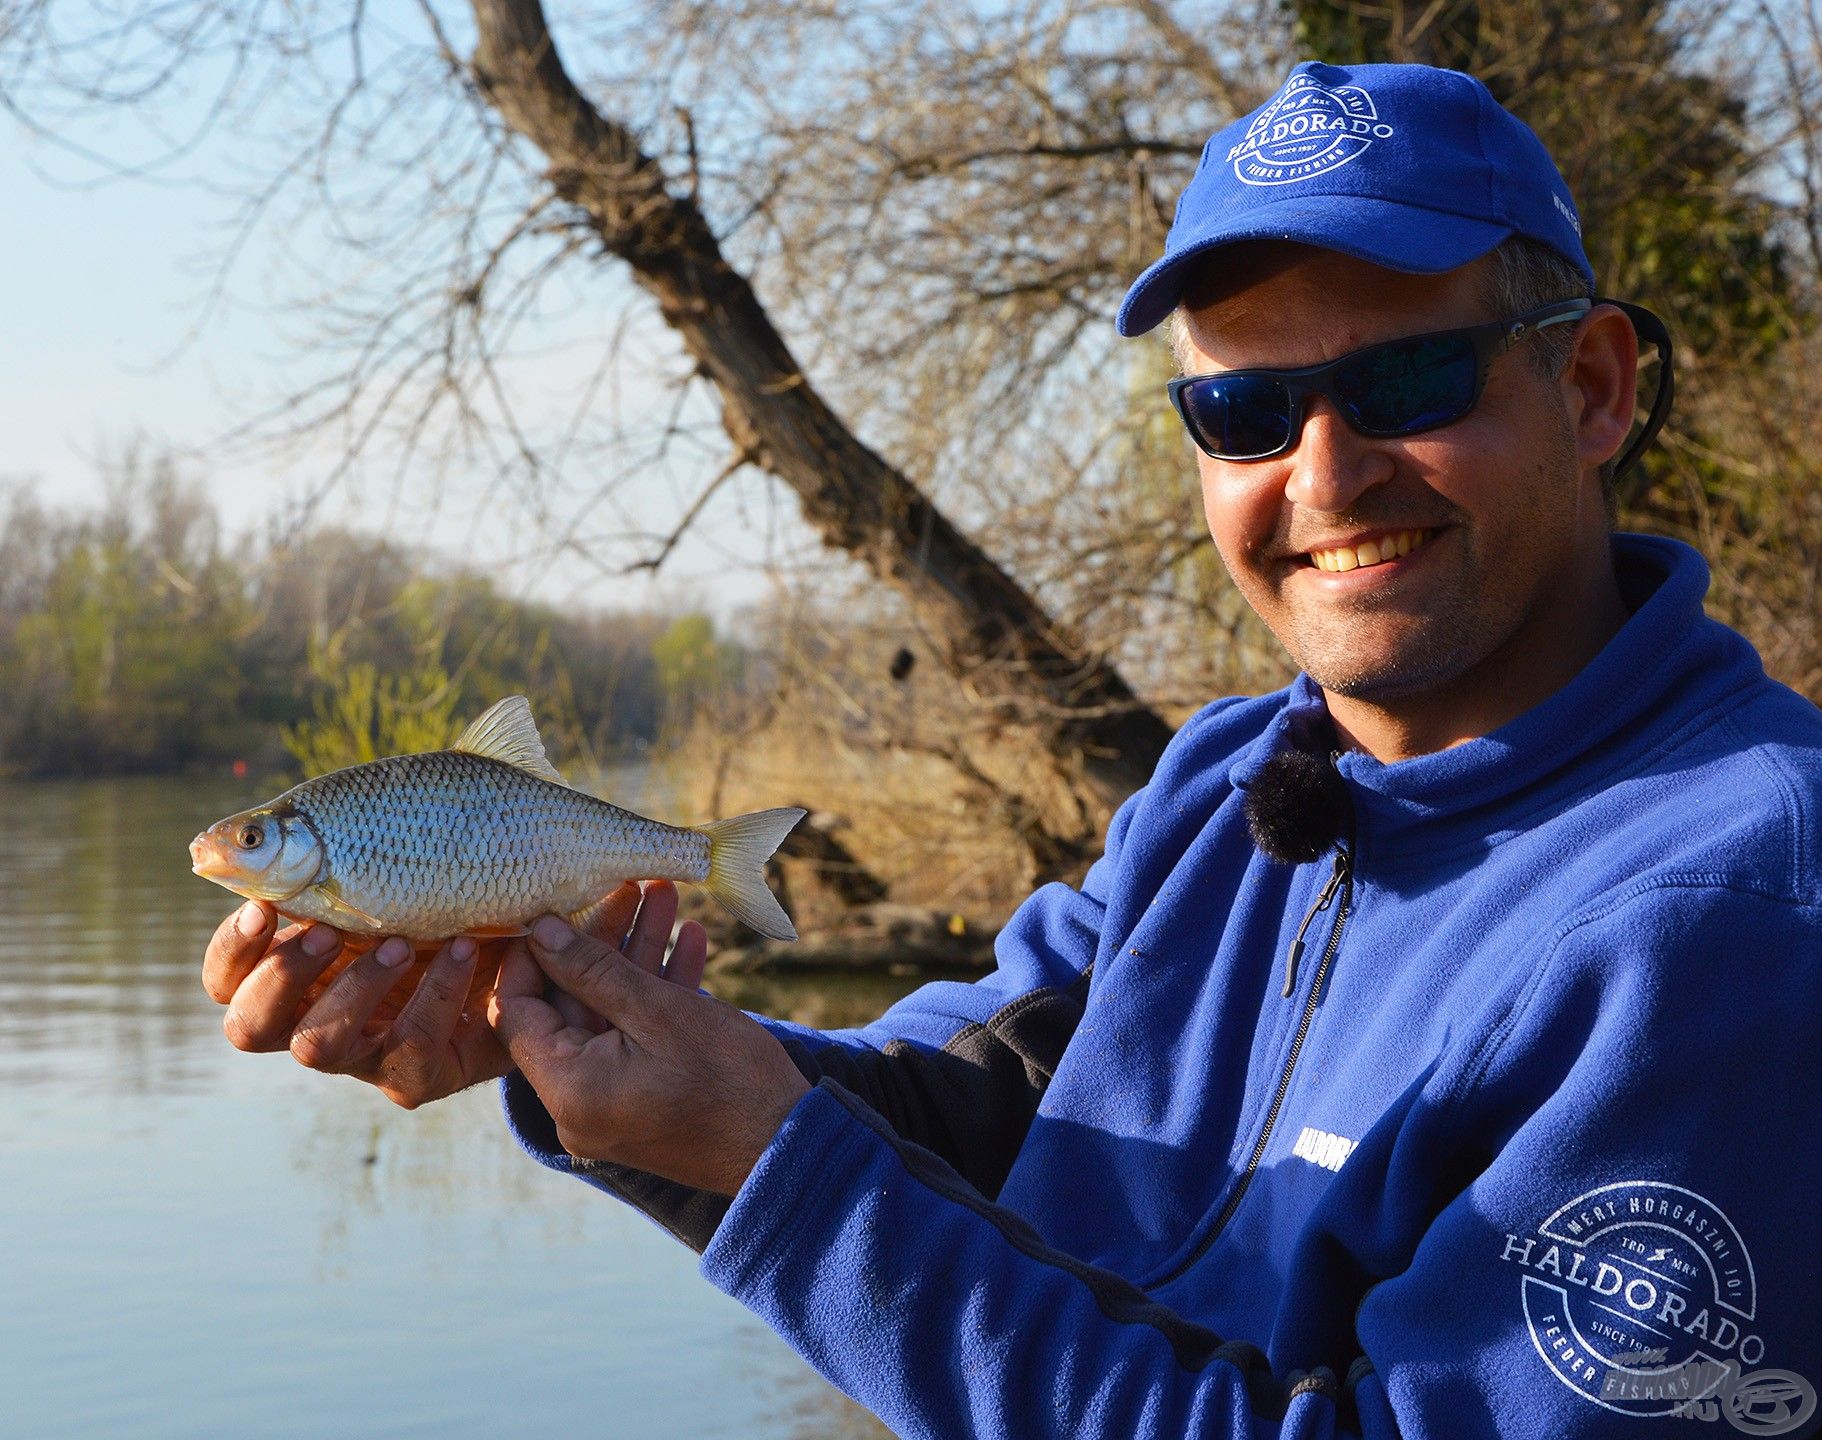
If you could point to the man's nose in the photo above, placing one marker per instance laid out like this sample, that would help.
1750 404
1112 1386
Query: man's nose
1333 464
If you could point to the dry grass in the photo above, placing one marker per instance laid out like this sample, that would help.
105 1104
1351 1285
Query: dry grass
907 816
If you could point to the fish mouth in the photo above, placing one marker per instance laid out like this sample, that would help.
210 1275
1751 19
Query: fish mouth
206 860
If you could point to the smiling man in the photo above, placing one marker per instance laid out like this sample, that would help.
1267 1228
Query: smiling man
1437 587
1433 1051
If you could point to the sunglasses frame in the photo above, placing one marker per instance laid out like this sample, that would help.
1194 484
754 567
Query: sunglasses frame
1489 341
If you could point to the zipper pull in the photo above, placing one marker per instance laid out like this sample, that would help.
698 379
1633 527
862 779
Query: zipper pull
1330 888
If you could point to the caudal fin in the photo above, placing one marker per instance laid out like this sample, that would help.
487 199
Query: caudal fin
738 850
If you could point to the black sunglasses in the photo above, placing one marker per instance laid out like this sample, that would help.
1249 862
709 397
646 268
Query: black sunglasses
1398 387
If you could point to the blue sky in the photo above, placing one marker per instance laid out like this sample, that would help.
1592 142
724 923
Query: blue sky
102 284
97 301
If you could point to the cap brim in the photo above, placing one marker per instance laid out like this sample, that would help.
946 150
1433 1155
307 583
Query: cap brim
1383 232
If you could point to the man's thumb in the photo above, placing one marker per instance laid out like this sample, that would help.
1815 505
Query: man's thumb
594 972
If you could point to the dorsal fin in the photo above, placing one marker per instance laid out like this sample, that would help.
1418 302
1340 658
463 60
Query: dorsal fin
507 733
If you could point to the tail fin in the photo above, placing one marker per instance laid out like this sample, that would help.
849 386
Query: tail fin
738 850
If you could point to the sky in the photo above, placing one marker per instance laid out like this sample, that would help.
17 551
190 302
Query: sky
105 339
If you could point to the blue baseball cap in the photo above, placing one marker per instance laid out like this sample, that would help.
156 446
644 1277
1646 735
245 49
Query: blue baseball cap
1407 166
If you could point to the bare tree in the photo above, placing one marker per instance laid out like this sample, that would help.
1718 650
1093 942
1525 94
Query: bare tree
937 201
584 185
981 623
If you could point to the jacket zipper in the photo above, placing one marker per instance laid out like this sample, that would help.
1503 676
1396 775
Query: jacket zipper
1341 880
1343 868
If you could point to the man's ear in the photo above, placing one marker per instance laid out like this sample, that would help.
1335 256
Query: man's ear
1600 384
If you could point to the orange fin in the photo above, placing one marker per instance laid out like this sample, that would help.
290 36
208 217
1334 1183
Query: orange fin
586 918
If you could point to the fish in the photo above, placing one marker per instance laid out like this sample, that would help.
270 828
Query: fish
478 839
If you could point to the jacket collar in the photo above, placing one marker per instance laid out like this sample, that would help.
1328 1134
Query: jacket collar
1668 665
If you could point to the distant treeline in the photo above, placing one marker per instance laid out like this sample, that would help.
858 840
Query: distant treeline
133 640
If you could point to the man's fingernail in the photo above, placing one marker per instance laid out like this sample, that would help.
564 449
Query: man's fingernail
462 948
551 933
394 952
250 920
319 940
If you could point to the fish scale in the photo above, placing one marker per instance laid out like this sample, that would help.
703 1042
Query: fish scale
448 841
479 838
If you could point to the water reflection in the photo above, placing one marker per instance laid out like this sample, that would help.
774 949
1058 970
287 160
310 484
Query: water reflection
99 955
207 1242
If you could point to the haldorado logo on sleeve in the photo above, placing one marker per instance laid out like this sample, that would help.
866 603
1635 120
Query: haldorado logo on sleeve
1305 130
1640 1297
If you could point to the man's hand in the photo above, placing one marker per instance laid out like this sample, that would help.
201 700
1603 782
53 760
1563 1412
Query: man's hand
412 1024
636 1066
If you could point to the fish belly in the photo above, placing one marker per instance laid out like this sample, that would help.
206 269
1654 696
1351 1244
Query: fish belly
429 846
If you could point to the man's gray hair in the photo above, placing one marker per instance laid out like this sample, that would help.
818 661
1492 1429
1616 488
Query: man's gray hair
1526 274
1176 335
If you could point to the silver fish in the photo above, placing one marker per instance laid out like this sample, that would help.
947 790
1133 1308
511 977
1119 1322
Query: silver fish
478 839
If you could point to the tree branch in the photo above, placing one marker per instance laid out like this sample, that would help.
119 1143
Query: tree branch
993 636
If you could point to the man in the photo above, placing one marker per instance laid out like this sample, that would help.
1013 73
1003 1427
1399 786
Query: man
1433 1050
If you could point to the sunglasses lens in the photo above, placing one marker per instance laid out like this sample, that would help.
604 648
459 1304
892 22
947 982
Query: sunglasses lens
1404 387
1238 417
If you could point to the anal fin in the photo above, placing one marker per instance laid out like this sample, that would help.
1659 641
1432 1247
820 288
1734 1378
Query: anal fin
589 916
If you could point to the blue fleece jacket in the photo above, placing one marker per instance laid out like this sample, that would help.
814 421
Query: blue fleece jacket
1531 1149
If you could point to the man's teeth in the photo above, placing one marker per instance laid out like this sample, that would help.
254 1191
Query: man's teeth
1373 552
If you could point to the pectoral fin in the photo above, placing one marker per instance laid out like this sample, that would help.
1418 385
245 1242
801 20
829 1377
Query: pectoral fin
346 916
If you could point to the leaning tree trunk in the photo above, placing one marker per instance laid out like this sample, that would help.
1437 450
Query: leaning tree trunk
1004 649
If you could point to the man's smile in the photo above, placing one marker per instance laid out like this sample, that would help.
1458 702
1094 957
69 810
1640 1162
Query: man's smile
1362 552
1365 549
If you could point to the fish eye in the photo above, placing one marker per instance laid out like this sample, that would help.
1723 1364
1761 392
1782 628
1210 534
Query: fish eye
249 837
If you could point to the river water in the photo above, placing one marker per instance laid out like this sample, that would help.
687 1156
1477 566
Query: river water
199 1242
